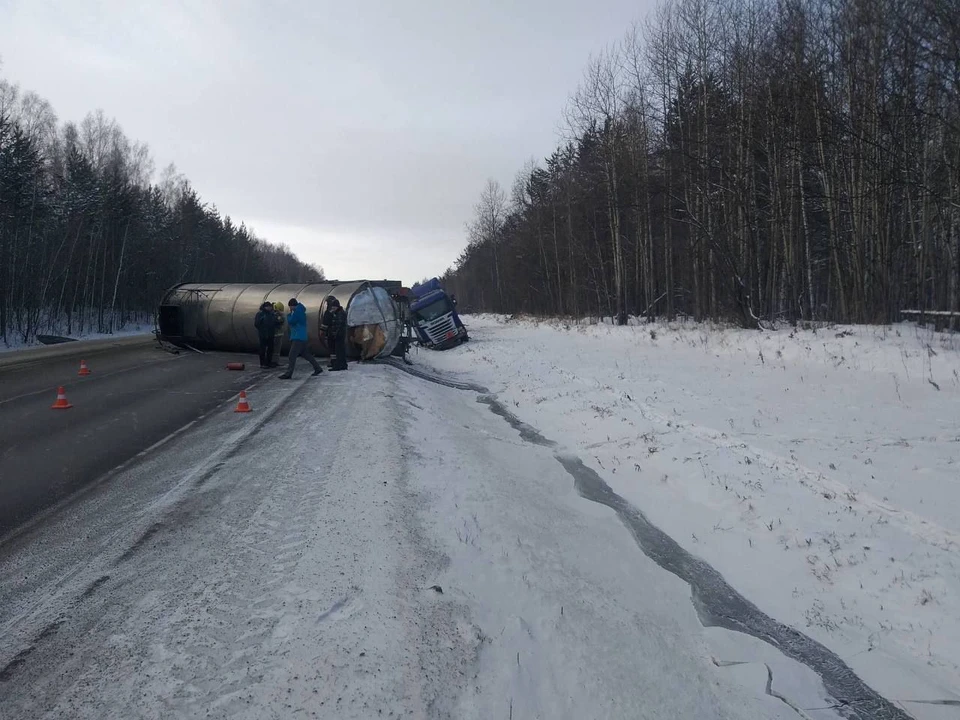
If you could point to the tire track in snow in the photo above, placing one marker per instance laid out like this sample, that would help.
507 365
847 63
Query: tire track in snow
715 601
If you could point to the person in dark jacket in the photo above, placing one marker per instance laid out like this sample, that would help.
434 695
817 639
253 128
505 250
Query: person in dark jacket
333 327
267 321
297 322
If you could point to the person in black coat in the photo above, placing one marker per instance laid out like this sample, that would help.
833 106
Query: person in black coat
266 322
333 327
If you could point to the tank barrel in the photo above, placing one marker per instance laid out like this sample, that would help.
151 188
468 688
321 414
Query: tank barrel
220 316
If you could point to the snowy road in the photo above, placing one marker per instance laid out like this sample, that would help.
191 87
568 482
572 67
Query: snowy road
364 545
136 395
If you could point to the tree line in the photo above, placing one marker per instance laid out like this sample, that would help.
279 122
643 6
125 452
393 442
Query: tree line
88 240
746 160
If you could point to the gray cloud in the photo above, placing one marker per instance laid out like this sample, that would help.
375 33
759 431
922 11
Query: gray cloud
358 133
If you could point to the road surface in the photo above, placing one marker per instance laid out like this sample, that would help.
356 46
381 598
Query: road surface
362 545
136 395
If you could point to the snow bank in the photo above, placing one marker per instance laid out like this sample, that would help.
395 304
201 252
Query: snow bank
819 471
138 326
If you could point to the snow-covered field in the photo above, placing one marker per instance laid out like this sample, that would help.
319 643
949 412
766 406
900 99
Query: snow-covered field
818 471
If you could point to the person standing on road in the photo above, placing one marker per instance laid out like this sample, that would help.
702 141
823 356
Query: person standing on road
277 335
333 327
267 321
297 322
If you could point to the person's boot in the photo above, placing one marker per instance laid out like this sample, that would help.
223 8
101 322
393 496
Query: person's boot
317 371
285 376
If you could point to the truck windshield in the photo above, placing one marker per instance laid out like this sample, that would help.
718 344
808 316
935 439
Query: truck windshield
434 310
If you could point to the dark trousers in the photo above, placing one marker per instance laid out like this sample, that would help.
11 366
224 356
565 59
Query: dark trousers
340 360
338 351
298 348
266 351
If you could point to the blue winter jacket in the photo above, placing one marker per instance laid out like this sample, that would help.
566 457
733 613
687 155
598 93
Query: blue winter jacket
297 322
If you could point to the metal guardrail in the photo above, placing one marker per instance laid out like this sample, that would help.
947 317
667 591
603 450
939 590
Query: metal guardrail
940 319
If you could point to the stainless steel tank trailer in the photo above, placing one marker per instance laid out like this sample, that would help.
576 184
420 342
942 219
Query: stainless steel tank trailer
219 316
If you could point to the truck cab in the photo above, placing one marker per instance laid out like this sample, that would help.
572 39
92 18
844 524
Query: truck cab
434 317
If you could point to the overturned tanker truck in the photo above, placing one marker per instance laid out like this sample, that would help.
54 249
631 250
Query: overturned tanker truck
219 316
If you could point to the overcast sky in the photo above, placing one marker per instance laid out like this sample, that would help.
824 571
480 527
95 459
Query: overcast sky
359 133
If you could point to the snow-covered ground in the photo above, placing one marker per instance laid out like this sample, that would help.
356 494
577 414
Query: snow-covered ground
819 472
364 544
140 326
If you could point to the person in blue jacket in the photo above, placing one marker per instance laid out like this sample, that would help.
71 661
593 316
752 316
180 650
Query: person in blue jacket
297 323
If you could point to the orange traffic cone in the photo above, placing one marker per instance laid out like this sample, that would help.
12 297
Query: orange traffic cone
242 404
62 403
84 370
